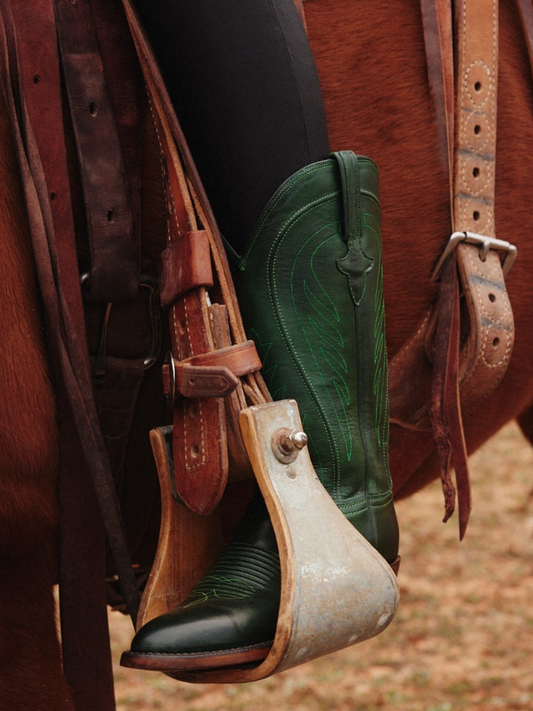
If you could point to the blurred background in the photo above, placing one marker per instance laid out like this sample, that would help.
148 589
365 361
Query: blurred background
462 638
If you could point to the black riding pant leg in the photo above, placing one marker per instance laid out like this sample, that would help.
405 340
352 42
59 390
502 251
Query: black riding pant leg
243 82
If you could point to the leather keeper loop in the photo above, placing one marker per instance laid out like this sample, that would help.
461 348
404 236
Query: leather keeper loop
240 359
214 374
185 265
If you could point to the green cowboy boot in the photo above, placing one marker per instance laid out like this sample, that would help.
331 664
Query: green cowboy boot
310 288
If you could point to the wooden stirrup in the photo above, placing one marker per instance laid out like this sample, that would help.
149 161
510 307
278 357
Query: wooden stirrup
336 589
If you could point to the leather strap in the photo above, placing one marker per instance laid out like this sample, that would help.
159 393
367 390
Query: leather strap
487 349
200 449
214 374
85 639
185 265
525 9
438 39
491 340
199 435
109 219
300 7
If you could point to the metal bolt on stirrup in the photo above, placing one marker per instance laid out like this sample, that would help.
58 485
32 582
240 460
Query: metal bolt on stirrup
287 444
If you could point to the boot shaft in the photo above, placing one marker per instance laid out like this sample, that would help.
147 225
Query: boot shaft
310 287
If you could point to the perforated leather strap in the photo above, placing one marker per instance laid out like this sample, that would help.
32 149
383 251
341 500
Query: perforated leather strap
488 349
485 355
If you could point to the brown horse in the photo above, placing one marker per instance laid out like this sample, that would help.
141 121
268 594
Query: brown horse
373 72
372 65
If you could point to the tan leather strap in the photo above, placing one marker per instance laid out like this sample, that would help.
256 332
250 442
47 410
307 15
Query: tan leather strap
486 352
489 347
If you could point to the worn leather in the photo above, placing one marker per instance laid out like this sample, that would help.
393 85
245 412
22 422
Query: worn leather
185 265
113 236
487 341
311 295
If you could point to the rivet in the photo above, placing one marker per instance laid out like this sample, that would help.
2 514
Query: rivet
287 444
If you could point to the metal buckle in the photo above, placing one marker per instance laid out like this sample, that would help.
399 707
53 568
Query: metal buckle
100 361
486 244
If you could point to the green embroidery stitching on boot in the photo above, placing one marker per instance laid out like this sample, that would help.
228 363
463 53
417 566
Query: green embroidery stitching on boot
323 306
241 570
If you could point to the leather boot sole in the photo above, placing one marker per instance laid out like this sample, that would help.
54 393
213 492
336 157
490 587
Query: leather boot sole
197 660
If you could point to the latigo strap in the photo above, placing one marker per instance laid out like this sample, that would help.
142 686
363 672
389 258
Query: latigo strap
484 356
193 262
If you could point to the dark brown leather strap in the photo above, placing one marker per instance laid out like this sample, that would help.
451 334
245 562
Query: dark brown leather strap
446 409
55 256
90 650
109 219
525 9
438 39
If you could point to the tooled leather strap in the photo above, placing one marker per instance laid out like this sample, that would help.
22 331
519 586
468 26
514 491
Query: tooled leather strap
489 346
486 354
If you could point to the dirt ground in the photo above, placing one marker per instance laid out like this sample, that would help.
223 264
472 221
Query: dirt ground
462 638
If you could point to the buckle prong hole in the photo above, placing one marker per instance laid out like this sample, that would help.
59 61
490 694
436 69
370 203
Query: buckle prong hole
492 297
478 86
477 129
475 172
496 342
476 215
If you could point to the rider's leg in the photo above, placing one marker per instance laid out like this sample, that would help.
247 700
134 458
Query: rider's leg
310 286
243 81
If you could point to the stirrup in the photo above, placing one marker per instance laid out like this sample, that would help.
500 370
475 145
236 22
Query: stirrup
336 589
